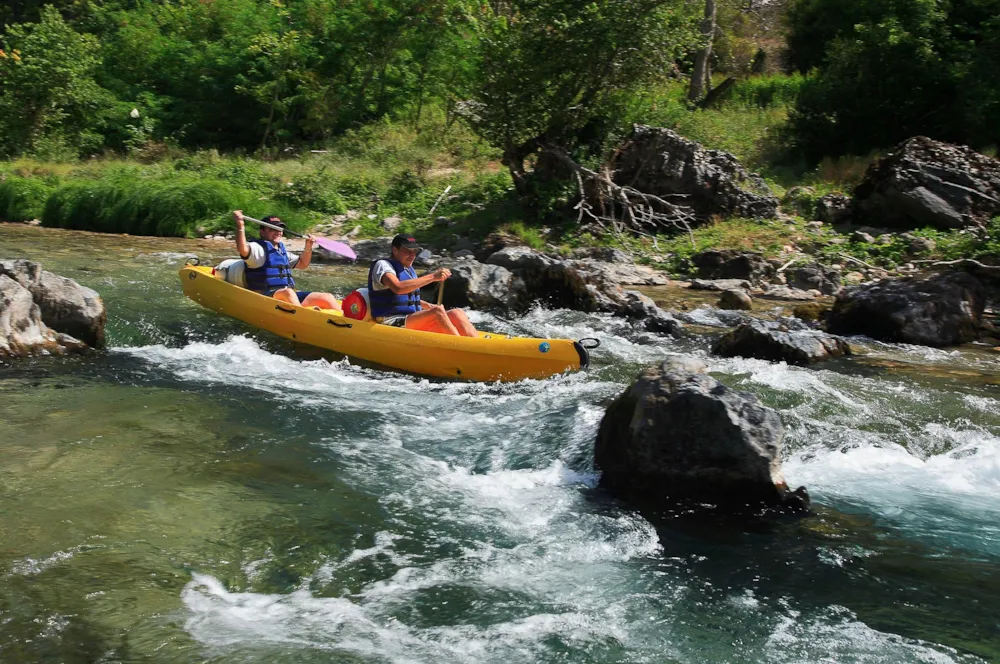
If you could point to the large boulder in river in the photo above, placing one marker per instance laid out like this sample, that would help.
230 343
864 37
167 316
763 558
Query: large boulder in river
942 310
483 287
924 182
64 305
661 162
585 285
678 435
778 342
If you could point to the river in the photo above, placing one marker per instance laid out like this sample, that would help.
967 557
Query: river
202 491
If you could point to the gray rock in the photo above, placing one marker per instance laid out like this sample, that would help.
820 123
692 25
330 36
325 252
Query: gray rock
814 276
639 307
459 243
720 284
391 223
66 306
520 258
859 236
922 245
943 310
478 286
604 254
374 249
731 264
776 342
923 182
735 299
779 292
425 259
678 435
663 163
833 209
463 253
442 221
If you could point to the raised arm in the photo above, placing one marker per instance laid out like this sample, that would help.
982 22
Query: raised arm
306 256
241 238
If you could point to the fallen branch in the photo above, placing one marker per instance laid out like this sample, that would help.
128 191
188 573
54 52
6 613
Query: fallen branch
858 261
638 209
443 193
967 261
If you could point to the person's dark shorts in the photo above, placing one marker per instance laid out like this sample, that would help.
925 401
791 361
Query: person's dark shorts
302 294
392 321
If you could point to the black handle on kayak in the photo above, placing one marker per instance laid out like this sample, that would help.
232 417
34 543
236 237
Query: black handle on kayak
287 311
589 343
333 322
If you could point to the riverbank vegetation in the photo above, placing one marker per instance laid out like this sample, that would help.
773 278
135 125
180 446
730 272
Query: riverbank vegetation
161 117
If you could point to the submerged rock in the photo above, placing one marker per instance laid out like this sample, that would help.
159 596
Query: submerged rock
776 342
678 435
735 299
942 310
720 284
43 312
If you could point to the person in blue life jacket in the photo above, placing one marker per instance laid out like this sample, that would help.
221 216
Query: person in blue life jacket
394 294
269 265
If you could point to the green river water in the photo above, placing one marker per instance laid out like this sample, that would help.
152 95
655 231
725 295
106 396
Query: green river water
201 491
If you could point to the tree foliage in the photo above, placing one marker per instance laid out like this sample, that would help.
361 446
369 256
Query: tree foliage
885 71
555 72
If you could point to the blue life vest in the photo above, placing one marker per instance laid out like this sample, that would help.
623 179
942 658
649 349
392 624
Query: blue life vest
386 303
275 273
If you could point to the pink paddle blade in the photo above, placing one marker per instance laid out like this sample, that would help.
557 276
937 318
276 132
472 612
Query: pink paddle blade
335 247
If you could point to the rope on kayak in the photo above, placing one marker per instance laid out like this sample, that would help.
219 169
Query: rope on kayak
589 343
192 260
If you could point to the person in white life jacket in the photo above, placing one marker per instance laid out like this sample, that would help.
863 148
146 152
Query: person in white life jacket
394 293
269 265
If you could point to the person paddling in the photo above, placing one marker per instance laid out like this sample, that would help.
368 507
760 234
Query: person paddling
394 293
269 265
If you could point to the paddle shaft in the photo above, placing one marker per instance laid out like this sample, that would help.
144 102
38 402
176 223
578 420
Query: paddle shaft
272 226
440 292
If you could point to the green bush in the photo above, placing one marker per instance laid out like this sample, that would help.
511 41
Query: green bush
23 199
315 191
767 91
177 206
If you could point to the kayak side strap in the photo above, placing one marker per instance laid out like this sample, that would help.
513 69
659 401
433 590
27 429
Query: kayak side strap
287 311
336 324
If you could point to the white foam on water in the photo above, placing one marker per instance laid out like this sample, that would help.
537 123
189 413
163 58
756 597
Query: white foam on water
838 637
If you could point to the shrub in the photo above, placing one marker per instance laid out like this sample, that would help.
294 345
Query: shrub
23 199
175 206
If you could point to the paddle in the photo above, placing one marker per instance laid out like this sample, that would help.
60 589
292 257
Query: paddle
332 246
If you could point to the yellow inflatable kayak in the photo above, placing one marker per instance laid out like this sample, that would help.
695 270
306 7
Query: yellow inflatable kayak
489 357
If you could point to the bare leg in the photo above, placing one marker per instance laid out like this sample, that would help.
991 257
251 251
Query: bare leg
434 319
462 323
321 300
286 295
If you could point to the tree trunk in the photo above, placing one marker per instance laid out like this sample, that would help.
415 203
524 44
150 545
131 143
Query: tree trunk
701 75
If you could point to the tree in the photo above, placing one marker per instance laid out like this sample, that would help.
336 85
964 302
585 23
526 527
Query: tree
47 87
555 73
901 68
701 73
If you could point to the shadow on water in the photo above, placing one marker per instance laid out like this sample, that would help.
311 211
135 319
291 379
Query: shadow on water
830 559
